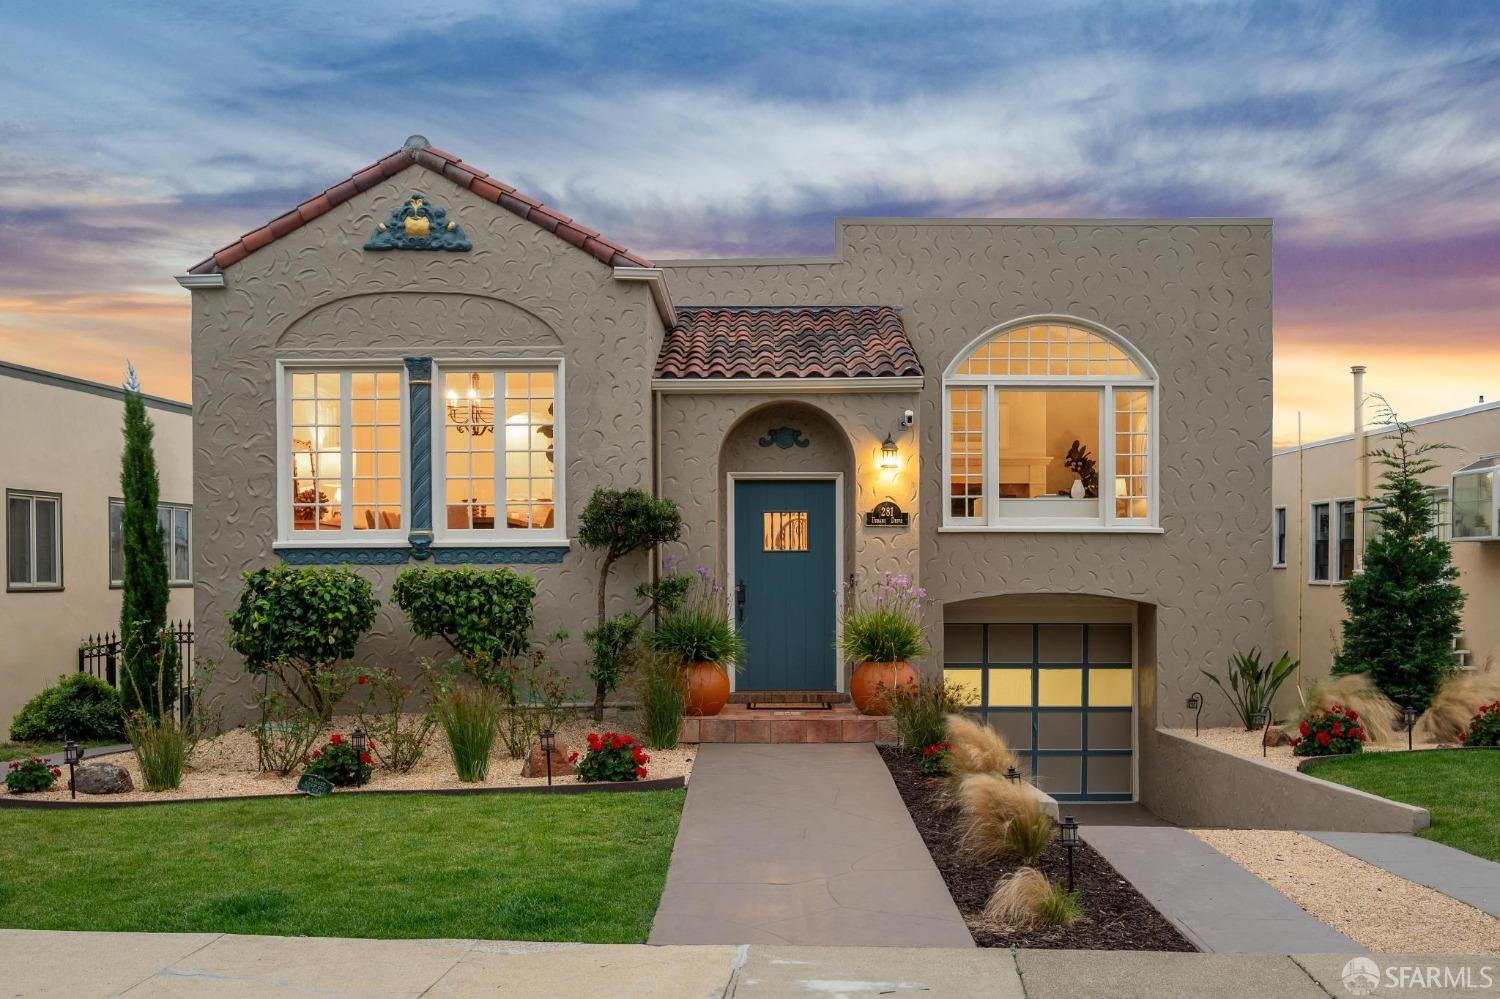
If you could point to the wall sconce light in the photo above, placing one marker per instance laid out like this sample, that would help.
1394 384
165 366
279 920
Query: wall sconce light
890 455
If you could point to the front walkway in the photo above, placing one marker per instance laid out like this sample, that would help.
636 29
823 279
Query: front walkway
44 965
1217 904
801 844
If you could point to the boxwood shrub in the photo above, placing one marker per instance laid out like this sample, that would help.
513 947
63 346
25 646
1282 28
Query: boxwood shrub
80 707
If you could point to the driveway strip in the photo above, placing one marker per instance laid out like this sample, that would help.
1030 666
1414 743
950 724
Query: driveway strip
1470 879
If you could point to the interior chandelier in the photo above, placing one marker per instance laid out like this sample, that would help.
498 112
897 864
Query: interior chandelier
468 415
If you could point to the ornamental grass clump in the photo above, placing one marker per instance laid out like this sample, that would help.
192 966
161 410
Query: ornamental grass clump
882 622
1379 716
921 711
471 721
30 775
1025 898
1001 819
1335 732
161 747
661 686
1454 705
611 757
977 749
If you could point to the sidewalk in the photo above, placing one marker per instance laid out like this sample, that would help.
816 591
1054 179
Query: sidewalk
801 844
44 965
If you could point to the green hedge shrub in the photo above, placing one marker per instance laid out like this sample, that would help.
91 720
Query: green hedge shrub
484 614
79 707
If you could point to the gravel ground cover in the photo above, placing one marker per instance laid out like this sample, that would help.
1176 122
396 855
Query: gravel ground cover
1116 916
1373 907
225 766
1237 740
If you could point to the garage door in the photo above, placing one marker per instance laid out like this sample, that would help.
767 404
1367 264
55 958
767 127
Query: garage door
1063 696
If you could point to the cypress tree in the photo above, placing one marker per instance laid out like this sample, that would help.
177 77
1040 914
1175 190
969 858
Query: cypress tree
1403 608
149 675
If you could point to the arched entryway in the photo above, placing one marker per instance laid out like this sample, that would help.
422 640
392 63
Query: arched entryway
1056 675
788 471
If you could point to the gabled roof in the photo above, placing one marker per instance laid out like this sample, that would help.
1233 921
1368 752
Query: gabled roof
815 341
416 152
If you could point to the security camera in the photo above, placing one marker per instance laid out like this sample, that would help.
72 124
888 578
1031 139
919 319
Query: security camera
908 418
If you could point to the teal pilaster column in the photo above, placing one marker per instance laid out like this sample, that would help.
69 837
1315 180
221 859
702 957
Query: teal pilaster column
419 381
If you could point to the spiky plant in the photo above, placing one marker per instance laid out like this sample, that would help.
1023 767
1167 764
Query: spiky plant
977 748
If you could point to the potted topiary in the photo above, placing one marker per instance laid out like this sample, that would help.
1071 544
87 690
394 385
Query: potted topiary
882 630
697 631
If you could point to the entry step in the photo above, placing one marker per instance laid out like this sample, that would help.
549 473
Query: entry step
771 699
789 724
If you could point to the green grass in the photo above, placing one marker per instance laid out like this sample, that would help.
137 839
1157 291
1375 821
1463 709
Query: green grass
21 750
587 867
1460 787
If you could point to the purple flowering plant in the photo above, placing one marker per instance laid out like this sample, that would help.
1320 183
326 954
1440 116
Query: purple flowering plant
883 619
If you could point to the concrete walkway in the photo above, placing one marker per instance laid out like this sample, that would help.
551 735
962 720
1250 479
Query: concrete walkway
1217 904
44 965
801 844
1470 879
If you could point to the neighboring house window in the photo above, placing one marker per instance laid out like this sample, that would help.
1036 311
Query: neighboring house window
1320 533
33 532
1049 424
1346 539
343 454
499 453
177 540
1278 538
1439 528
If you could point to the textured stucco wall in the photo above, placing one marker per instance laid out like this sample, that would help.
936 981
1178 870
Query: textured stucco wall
521 292
1194 298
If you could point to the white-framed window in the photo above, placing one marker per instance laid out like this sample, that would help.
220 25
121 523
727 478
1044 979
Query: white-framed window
33 540
1050 423
176 521
1331 541
1320 535
498 455
1439 528
1278 538
342 450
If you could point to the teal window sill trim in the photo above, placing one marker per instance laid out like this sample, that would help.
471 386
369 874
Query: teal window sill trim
400 555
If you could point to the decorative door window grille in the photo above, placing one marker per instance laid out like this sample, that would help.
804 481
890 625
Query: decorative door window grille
784 530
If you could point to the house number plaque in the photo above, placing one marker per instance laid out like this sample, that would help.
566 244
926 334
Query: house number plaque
887 514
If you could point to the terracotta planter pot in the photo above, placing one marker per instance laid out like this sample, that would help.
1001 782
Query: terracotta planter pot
868 678
707 688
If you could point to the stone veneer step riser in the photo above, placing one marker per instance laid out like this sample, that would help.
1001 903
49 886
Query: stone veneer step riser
740 729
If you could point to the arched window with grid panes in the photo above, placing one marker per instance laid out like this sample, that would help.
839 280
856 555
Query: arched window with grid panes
1049 423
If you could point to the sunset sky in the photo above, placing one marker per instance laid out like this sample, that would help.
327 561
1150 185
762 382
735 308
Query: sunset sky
142 136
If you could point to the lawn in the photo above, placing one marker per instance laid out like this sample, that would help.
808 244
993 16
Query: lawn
1460 787
586 867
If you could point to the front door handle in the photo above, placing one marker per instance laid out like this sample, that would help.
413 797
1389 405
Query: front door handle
739 602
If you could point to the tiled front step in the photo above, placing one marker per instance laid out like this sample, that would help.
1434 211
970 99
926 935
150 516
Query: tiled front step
739 724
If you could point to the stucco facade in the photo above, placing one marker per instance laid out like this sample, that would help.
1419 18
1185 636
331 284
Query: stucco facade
45 625
1184 305
1309 613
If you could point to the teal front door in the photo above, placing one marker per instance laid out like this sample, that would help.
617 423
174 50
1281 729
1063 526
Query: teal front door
785 582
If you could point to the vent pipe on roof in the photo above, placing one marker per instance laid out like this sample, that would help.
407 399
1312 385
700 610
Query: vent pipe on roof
415 142
1361 465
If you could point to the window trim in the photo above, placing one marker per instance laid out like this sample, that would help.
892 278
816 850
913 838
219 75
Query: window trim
509 537
1279 536
346 536
1106 522
57 519
1335 540
116 584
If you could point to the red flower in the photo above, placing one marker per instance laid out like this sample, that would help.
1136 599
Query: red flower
1462 736
572 756
1305 728
317 754
1293 742
362 679
640 773
1338 729
365 759
1323 739
335 739
1353 716
56 772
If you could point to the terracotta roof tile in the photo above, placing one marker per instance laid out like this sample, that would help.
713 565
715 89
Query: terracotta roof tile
819 341
454 169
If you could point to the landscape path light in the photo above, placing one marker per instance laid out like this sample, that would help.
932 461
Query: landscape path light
1262 721
549 740
1013 775
1195 704
1069 833
72 756
1409 719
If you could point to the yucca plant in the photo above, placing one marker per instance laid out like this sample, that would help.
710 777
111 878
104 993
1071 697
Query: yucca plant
1252 685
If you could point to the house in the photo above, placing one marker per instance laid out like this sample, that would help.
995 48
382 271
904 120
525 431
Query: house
1316 507
62 520
1061 428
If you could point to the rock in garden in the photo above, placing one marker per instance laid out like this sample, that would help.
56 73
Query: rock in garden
102 778
1277 737
536 763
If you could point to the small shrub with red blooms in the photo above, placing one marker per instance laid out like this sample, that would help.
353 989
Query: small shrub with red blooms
934 762
340 764
612 756
1484 727
1335 732
33 774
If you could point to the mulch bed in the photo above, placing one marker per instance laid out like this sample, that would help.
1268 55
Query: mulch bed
1115 915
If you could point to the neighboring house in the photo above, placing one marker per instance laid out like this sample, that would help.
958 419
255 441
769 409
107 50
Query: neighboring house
60 470
1314 491
424 365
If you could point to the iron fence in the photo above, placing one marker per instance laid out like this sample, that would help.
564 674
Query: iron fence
99 656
